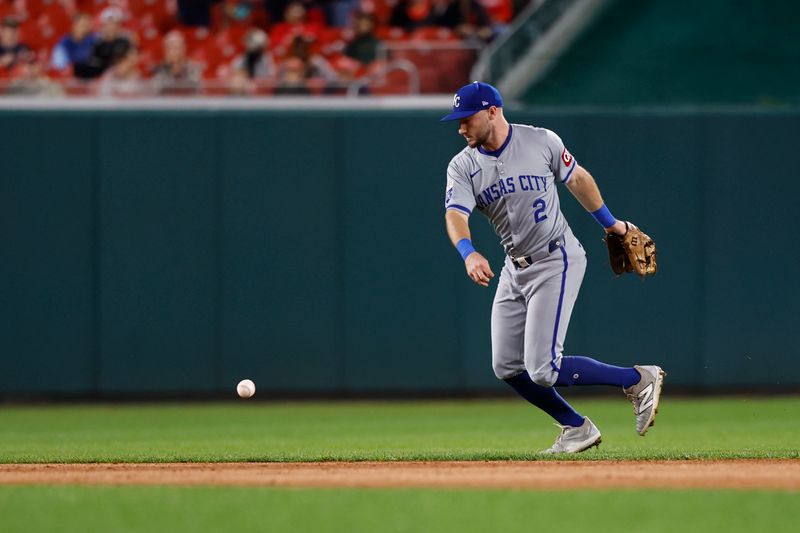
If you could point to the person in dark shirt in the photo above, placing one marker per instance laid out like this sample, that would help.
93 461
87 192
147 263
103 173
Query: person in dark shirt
11 50
111 45
364 46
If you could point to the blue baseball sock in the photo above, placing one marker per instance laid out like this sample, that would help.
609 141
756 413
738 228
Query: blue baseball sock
547 399
579 370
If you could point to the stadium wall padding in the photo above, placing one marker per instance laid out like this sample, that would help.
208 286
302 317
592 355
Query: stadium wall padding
178 252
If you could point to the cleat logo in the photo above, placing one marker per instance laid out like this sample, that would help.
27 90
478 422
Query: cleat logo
645 398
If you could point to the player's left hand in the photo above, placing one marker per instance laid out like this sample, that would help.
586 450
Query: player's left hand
619 228
631 251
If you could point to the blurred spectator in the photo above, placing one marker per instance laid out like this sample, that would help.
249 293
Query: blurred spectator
364 46
123 78
256 62
255 65
410 14
315 9
11 50
176 74
76 46
195 12
338 12
293 77
467 17
30 79
315 65
295 23
110 45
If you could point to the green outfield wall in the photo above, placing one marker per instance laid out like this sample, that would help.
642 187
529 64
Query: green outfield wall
178 252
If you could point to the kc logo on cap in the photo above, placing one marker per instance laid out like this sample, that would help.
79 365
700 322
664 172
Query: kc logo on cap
472 98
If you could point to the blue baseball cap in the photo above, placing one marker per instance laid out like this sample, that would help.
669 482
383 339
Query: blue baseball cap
472 98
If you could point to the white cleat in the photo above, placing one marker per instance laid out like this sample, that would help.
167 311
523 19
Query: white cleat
645 396
575 439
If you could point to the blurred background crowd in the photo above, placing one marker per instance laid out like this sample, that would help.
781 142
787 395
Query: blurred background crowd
133 48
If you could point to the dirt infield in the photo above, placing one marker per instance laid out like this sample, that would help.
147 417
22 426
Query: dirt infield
740 474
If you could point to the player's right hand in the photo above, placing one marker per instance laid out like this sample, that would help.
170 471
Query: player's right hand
478 269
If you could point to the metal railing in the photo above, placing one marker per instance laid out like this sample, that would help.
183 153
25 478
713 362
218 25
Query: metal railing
147 88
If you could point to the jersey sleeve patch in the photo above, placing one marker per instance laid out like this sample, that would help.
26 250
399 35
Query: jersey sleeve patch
566 157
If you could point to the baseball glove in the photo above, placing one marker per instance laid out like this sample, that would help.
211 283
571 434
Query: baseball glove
633 252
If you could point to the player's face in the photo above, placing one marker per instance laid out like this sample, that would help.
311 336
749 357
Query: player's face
476 128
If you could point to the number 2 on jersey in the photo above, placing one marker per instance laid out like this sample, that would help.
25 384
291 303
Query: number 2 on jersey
538 210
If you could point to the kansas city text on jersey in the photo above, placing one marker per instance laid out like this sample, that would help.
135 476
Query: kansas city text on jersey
509 185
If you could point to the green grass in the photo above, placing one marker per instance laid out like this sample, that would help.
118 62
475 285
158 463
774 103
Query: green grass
357 431
204 509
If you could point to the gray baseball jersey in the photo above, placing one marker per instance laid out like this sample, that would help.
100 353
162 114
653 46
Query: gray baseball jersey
515 187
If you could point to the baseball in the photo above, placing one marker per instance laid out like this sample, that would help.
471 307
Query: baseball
246 388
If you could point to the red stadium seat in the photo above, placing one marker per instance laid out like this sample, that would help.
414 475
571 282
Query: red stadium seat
346 64
8 9
330 35
232 36
39 34
57 17
499 10
387 33
94 7
153 14
434 33
394 82
194 37
140 7
215 53
382 9
149 37
36 7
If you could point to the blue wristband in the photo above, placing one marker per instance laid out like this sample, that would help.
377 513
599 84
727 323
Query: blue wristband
604 217
464 247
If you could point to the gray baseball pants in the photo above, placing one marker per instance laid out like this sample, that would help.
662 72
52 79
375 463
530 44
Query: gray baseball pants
531 312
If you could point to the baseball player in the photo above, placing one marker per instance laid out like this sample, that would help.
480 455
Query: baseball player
509 173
